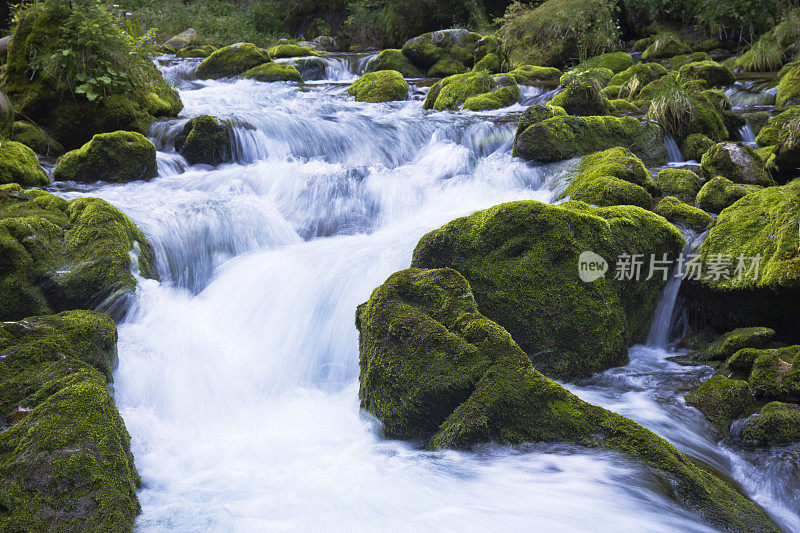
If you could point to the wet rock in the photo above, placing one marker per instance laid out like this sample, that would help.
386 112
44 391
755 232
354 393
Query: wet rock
206 140
36 139
714 74
392 59
380 86
683 215
270 72
291 50
719 193
737 162
18 164
183 39
776 423
582 97
721 400
231 61
118 157
679 182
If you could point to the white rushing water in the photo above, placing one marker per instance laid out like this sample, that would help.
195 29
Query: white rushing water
237 374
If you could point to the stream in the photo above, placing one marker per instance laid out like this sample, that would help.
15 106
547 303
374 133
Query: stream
238 371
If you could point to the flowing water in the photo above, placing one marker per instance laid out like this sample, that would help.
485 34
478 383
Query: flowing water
238 372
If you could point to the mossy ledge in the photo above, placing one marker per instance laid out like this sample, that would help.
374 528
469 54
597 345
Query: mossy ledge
521 259
65 461
434 369
57 255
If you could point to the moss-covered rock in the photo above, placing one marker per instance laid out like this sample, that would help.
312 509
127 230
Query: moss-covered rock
783 164
666 45
380 86
205 140
776 423
36 139
789 88
196 51
682 214
232 61
522 257
714 74
776 375
612 177
506 94
770 134
695 145
65 462
491 62
719 193
737 162
728 344
581 97
447 66
119 157
683 110
695 57
57 255
453 91
679 182
434 369
565 137
721 400
450 46
532 73
47 100
291 50
634 78
613 61
393 59
601 76
761 225
269 72
537 113
18 164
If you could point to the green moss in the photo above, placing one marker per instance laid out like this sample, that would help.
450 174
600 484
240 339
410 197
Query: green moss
433 368
18 164
612 177
291 50
447 66
491 62
205 140
565 137
741 362
601 76
36 139
726 345
537 113
531 73
67 463
770 134
789 88
269 72
636 77
453 91
682 214
695 57
695 145
118 157
380 86
393 59
721 400
776 423
666 45
613 61
714 74
776 376
683 110
737 162
719 193
196 51
456 45
620 106
500 97
581 97
679 182
232 61
522 257
783 164
61 255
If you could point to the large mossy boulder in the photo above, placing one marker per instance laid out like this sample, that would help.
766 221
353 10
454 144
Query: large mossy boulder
453 91
666 45
783 163
270 72
72 118
770 134
231 61
726 345
679 182
393 59
776 374
695 145
718 193
380 86
565 137
506 93
533 73
634 78
721 400
612 177
65 460
582 96
684 111
118 157
291 50
57 255
36 139
436 370
683 215
205 140
614 61
18 164
737 162
776 423
789 88
714 74
522 261
442 52
762 226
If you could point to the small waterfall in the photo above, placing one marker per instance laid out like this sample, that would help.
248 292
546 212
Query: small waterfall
747 135
363 63
673 152
659 335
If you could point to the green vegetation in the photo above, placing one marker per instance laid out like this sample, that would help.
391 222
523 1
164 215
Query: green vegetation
695 145
291 50
453 91
18 164
736 161
666 44
206 140
714 74
683 214
776 423
380 86
789 88
521 257
65 463
270 72
784 161
232 60
118 157
393 59
719 193
581 97
36 139
721 400
728 344
679 182
776 375
434 368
